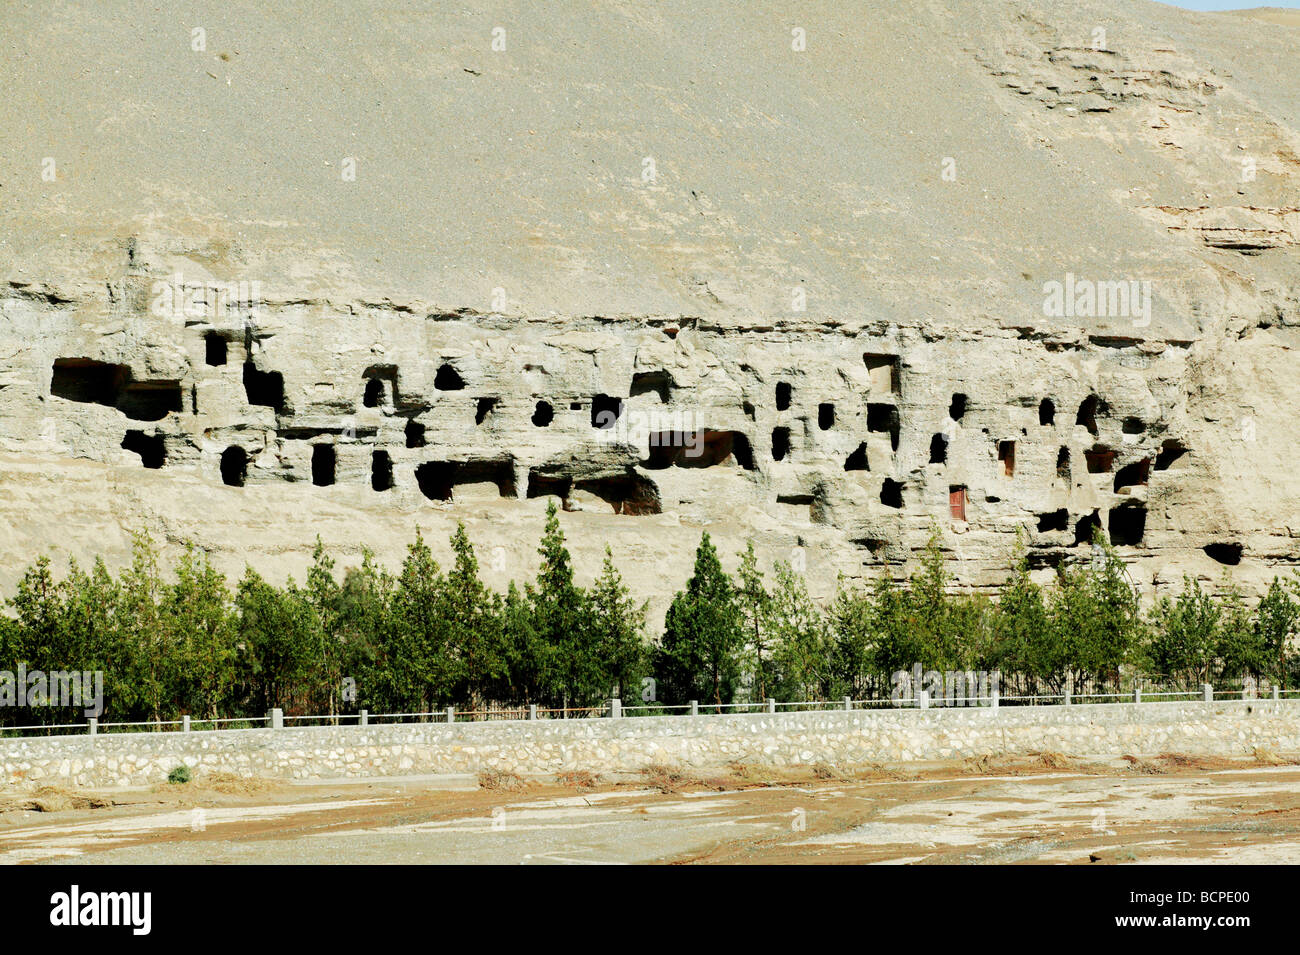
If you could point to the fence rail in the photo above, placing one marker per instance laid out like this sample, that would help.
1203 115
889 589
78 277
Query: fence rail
614 708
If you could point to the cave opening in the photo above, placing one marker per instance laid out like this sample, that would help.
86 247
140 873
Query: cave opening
448 378
780 443
891 493
265 388
322 464
483 408
857 461
414 434
1047 412
883 419
938 449
234 466
652 383
1007 455
150 447
214 349
1051 521
381 470
825 416
784 392
605 411
1132 475
957 407
543 414
1127 525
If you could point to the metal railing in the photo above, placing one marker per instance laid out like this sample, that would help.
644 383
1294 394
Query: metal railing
614 708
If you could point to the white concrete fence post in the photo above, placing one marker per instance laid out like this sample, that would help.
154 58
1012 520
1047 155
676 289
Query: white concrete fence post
1277 694
1207 693
185 724
532 711
695 707
995 697
615 708
771 705
923 700
451 714
363 718
92 726
1137 692
1068 700
848 703
277 718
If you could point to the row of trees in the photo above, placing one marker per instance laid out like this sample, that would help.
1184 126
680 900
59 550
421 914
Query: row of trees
743 638
428 637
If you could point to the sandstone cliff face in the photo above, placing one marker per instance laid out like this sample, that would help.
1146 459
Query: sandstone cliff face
1033 288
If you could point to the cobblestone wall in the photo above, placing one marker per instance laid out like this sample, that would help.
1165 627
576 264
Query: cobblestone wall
630 744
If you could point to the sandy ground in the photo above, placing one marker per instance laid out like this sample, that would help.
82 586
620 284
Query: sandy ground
1170 810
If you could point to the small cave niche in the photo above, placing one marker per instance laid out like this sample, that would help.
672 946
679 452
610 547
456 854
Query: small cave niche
546 485
780 443
414 434
1053 521
1126 525
234 466
88 381
651 383
150 400
374 396
381 471
1063 464
214 349
1087 414
483 409
698 449
1100 459
1046 412
938 449
150 447
448 378
575 405
605 411
1007 457
543 414
748 409
883 419
882 373
1226 553
784 392
1084 528
628 494
1133 425
957 407
322 464
825 416
265 388
1132 475
857 461
1170 451
438 480
891 493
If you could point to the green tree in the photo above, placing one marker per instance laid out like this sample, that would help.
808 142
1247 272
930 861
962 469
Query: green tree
699 656
754 602
1276 620
803 649
196 611
1185 635
569 652
618 623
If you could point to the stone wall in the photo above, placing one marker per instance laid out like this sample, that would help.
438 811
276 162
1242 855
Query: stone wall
630 744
